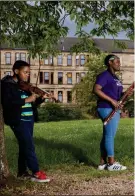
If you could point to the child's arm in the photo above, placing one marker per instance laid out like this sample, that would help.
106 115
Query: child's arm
31 98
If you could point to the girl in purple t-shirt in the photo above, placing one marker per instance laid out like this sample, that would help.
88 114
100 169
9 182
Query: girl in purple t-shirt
108 88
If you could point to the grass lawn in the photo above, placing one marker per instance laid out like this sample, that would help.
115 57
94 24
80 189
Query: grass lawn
72 148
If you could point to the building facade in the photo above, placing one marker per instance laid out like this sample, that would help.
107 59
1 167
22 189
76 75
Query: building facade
59 74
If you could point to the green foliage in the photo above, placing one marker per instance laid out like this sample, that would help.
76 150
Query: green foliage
54 112
85 44
110 17
69 151
91 109
50 112
36 27
130 106
72 113
39 25
95 65
120 44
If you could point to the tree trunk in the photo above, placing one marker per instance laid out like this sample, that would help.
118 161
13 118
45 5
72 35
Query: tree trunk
4 171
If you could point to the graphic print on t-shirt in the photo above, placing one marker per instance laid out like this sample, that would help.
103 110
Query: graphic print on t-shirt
118 83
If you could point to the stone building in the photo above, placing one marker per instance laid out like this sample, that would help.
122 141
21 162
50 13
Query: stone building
59 74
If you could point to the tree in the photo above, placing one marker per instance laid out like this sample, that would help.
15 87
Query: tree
110 17
39 25
4 171
94 65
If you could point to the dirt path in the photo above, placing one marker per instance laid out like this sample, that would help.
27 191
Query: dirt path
68 184
120 185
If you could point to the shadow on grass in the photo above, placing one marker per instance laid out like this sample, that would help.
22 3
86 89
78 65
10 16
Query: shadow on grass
84 150
76 152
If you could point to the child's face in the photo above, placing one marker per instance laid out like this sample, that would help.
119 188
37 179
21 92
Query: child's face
24 73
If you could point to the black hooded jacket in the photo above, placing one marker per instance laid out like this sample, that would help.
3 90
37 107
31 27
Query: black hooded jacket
12 102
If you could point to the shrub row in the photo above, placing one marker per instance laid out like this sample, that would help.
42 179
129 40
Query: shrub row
54 112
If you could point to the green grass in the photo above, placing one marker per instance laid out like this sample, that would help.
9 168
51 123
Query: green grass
73 146
69 152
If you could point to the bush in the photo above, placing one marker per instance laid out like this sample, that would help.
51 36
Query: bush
130 107
72 113
91 110
54 112
50 112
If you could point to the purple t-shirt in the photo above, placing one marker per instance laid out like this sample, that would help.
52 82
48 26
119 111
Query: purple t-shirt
111 86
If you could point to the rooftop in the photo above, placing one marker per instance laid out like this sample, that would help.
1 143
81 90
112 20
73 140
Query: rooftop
105 45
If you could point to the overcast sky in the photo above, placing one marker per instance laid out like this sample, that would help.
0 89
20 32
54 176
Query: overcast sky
72 28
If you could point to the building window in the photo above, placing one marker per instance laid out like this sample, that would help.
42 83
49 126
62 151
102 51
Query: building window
48 61
23 56
46 78
52 77
69 60
17 56
51 60
60 78
8 58
60 96
77 77
82 75
59 59
82 60
41 78
20 56
77 60
69 96
8 73
69 78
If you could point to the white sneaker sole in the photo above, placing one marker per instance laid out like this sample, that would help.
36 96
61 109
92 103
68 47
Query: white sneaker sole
37 180
100 167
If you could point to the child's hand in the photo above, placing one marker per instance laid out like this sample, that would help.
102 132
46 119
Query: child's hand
45 96
31 98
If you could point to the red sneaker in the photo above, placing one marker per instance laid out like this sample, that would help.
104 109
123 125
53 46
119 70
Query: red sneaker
40 177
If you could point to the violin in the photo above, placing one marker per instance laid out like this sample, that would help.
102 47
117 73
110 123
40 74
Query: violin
25 86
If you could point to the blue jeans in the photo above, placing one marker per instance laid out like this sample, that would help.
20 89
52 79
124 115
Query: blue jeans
109 131
27 156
